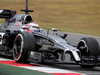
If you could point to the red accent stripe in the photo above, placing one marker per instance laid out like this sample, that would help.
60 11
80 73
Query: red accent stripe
16 64
66 74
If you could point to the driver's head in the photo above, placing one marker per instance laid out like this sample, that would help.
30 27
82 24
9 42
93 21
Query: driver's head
33 27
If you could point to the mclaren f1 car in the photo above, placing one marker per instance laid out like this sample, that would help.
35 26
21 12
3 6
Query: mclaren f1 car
44 45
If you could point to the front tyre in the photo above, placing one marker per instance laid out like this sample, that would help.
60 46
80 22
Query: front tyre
24 42
89 46
89 49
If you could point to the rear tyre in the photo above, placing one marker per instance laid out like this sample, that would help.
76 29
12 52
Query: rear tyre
88 47
24 42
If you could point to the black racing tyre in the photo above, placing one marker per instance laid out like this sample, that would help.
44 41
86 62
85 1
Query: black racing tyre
24 42
89 46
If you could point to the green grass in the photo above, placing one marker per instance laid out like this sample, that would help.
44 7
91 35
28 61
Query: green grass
11 70
78 16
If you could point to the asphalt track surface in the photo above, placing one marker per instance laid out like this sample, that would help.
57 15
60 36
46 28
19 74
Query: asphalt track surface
74 39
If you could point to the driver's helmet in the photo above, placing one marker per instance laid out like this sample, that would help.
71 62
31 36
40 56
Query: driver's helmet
33 27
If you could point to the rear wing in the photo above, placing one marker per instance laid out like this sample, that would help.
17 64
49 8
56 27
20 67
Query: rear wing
7 13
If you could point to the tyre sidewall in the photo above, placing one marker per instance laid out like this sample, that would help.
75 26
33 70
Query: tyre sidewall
28 41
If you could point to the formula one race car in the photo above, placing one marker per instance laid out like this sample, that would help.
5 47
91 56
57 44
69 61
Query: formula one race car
43 45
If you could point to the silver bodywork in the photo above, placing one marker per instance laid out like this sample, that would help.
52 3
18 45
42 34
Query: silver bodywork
60 43
44 45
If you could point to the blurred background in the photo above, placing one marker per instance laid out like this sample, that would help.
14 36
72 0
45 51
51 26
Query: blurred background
77 16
